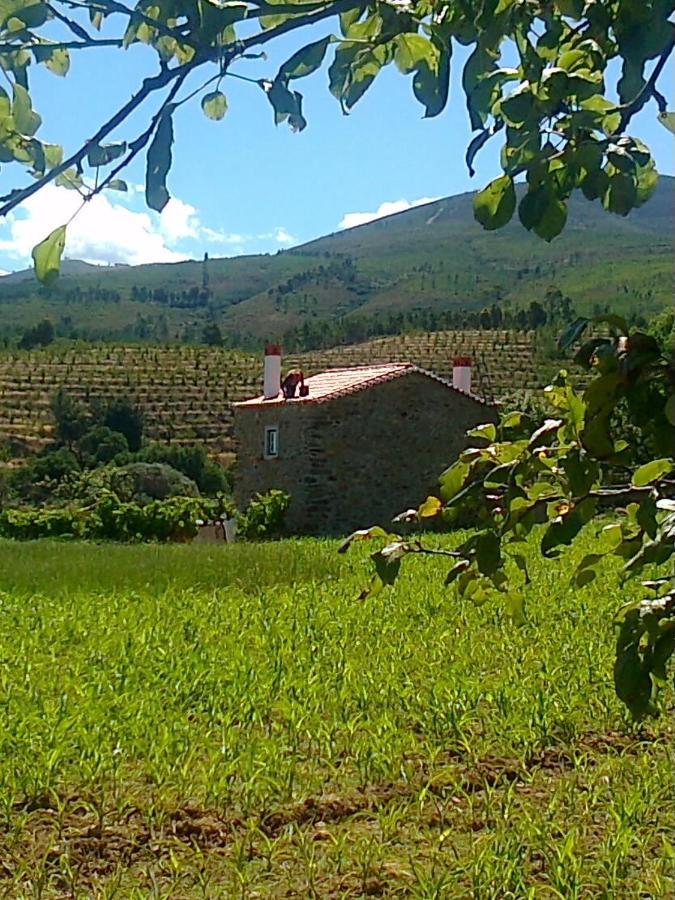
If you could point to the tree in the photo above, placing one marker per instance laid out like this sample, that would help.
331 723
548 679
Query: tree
41 335
536 315
212 335
565 473
554 111
72 417
124 416
100 445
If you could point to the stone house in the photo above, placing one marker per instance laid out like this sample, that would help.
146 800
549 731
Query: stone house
356 446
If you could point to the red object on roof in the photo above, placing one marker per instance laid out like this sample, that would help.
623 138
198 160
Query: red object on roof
462 361
339 382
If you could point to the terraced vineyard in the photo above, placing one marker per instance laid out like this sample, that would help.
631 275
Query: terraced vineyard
186 392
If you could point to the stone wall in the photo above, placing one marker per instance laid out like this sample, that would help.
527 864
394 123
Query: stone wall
255 474
360 459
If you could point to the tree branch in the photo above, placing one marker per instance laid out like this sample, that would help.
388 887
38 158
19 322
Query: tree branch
628 110
63 45
137 145
75 27
166 76
149 86
108 6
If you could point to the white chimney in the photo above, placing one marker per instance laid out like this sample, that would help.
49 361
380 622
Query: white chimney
272 372
461 374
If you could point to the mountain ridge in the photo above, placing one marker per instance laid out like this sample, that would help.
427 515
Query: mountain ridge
429 259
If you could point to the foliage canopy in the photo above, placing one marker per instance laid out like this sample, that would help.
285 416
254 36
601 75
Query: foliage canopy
564 475
552 108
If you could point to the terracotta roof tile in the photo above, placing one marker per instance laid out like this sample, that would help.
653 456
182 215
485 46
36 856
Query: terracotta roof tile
339 382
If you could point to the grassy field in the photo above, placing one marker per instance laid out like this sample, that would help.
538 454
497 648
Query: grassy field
195 721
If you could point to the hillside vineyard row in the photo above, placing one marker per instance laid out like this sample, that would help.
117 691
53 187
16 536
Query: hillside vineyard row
186 392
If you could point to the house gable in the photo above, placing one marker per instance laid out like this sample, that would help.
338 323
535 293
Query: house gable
335 383
360 458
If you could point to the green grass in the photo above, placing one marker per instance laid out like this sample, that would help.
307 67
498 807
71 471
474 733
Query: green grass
197 721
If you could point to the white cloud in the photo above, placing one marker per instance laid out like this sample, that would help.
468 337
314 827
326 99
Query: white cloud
214 236
388 208
179 220
102 231
111 229
281 236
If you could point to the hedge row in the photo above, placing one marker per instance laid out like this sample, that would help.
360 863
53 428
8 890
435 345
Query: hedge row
174 519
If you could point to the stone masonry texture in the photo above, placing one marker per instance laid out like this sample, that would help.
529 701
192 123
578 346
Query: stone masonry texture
356 460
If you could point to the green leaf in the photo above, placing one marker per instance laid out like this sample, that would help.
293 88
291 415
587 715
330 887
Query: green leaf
117 184
387 565
287 105
488 553
632 683
363 534
461 566
26 120
214 105
70 179
620 195
159 162
431 507
487 431
646 516
616 323
585 354
515 607
103 154
519 106
611 537
476 144
453 479
410 50
667 119
572 8
305 61
663 649
431 82
53 155
564 529
669 409
647 182
494 205
542 212
573 332
652 471
47 256
56 59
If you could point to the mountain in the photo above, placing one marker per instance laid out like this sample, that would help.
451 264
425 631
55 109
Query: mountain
427 260
68 267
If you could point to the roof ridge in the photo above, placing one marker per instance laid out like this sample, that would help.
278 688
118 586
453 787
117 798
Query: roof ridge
380 374
375 365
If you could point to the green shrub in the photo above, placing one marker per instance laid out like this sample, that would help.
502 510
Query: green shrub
143 482
193 461
36 479
265 516
109 519
125 416
173 519
100 445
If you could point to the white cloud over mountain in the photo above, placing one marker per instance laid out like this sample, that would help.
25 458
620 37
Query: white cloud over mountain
388 208
114 228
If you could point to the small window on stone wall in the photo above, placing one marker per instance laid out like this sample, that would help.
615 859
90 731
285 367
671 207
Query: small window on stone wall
271 442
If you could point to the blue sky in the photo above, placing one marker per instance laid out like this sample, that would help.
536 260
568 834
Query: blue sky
243 184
